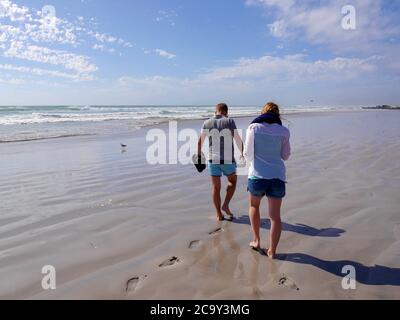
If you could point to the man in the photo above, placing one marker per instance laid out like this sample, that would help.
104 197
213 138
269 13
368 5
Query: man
221 131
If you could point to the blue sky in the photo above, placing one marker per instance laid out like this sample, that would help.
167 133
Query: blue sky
198 52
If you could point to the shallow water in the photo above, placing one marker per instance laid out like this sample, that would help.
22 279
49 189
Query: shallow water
43 122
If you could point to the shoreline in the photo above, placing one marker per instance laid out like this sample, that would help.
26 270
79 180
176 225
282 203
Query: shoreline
180 121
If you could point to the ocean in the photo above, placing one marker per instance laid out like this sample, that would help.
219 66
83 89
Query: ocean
26 123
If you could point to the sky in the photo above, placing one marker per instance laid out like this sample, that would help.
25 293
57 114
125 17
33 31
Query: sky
199 52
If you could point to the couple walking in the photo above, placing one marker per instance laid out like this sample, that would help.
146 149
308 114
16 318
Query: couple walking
266 148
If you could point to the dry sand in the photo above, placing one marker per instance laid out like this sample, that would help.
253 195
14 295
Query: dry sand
115 227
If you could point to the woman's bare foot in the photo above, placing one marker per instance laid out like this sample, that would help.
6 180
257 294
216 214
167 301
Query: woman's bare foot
270 254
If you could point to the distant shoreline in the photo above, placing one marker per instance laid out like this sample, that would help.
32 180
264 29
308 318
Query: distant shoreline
384 107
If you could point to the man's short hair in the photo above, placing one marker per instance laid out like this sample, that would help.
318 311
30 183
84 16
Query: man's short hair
222 108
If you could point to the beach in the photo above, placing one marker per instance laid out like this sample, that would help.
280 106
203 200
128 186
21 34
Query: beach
116 227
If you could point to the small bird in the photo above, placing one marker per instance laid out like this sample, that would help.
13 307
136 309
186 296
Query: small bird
123 145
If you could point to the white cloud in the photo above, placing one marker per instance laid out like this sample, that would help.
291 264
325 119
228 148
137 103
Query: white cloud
14 12
33 36
99 47
104 39
291 79
321 23
19 38
43 72
284 5
267 70
292 68
165 54
278 29
166 15
9 33
103 48
78 63
48 84
35 27
12 81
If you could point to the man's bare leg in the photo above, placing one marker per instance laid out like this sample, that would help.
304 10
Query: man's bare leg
276 224
230 191
216 194
255 220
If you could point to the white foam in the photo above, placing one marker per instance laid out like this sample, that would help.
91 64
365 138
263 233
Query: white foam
70 120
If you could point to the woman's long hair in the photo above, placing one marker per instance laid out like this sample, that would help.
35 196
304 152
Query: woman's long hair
271 107
274 108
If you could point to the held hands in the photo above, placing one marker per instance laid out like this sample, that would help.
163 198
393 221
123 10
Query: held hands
242 161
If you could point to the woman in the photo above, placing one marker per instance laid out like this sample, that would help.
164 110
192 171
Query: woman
267 147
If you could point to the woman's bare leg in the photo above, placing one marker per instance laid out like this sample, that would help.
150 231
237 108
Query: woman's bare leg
255 220
276 224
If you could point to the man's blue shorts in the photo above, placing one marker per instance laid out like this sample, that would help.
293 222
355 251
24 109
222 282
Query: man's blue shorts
217 170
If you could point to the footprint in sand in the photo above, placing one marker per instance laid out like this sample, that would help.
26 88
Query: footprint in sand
194 244
288 283
216 231
92 245
132 283
169 262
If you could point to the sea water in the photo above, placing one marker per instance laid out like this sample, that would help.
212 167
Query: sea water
24 123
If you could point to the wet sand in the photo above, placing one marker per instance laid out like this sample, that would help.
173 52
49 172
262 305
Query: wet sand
115 227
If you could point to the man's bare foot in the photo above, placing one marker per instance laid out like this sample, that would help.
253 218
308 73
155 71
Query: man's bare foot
228 212
220 217
254 245
226 209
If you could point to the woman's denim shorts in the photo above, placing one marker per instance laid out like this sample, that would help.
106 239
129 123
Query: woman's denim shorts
274 188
